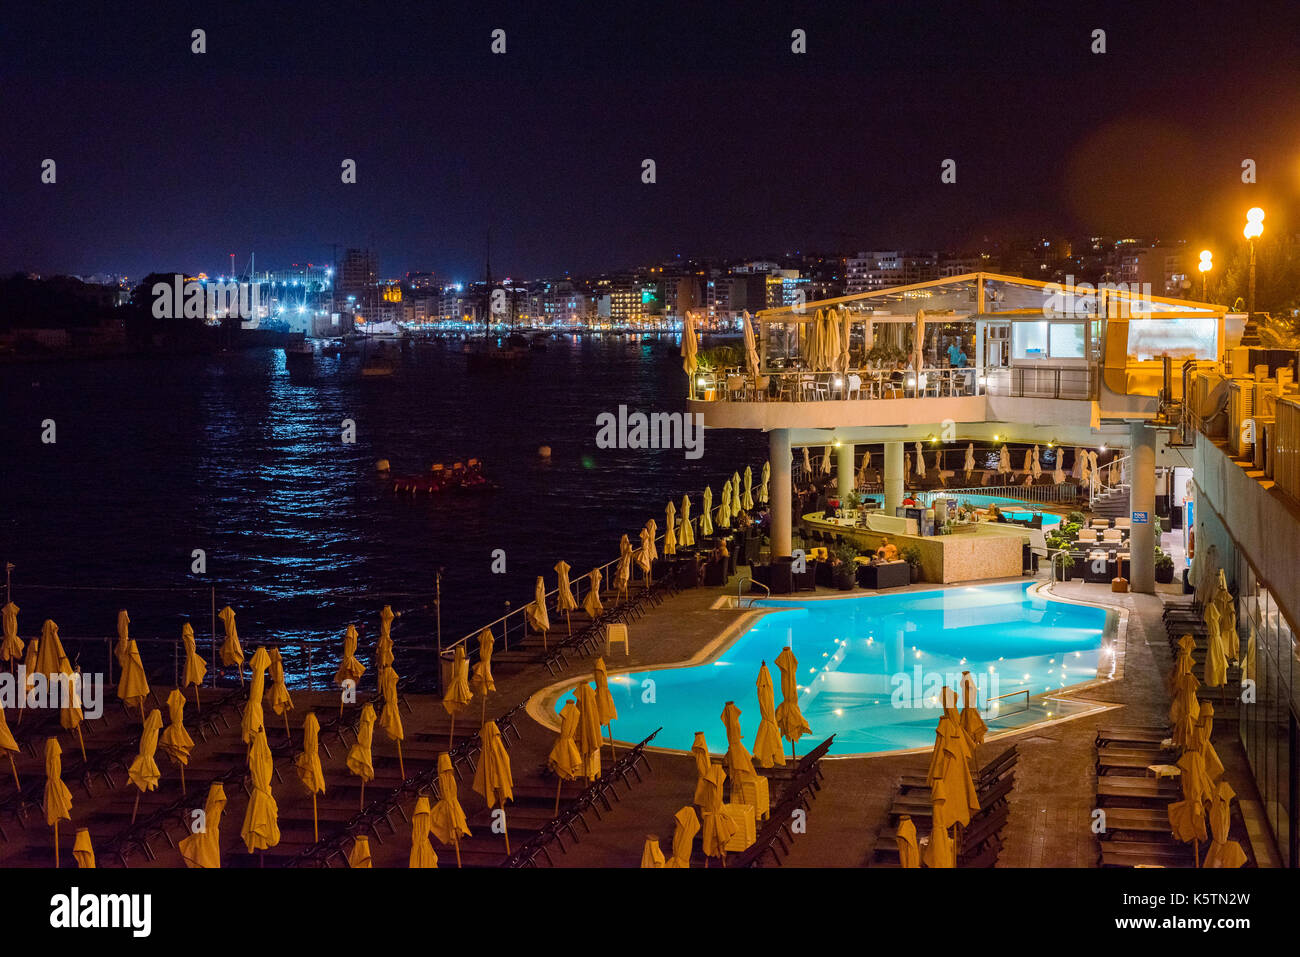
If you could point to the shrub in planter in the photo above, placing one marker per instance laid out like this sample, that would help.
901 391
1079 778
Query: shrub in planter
844 568
1063 565
1077 518
1164 566
912 555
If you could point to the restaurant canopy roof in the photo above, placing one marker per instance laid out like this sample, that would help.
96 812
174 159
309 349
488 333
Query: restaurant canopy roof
990 295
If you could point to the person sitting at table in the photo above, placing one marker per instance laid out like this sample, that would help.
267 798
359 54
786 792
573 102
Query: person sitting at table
887 552
956 356
908 502
995 515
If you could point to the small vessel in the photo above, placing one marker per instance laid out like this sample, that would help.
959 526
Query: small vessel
462 478
378 363
299 355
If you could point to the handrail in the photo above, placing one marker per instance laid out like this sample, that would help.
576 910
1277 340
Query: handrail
752 581
1010 694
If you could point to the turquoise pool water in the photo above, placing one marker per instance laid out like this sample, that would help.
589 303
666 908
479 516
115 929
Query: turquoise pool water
870 667
1013 508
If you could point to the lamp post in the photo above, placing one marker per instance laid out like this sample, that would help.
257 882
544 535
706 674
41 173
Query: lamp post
1254 229
1206 264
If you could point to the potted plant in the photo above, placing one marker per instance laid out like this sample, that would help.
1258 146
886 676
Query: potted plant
844 567
1164 566
912 555
1077 518
1063 566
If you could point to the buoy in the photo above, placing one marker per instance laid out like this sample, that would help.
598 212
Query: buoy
544 451
382 465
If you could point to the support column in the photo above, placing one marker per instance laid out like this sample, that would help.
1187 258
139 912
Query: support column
893 476
780 491
844 474
1142 498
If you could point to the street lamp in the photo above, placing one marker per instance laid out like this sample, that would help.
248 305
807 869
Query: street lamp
1254 229
1206 264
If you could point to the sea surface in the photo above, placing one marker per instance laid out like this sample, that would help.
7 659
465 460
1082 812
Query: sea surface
154 458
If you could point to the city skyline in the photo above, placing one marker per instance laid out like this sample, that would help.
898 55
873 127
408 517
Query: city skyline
755 146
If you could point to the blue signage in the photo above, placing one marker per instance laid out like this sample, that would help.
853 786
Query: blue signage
1140 518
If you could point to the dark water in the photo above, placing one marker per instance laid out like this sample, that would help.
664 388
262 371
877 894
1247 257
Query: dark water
157 457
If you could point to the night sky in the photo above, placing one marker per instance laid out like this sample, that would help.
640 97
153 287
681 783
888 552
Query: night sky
168 159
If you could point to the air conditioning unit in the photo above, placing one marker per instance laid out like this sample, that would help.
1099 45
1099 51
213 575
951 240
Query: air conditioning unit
1265 435
1241 410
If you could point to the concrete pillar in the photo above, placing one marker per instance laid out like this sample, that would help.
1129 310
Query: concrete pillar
844 474
1142 498
893 476
780 491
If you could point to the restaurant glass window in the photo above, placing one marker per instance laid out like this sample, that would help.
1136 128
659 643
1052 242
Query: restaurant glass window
1066 340
1029 340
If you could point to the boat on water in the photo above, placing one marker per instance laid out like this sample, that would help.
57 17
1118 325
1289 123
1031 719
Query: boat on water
463 478
298 354
487 354
378 363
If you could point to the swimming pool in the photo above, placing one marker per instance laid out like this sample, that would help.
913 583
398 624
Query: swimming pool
870 667
1013 508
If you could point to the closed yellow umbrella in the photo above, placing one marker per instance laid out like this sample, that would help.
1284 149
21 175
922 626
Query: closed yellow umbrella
788 716
133 686
653 528
448 820
457 696
1223 852
281 702
950 768
360 758
196 668
9 746
1183 662
706 513
686 537
58 799
83 851
307 765
623 570
1216 657
11 646
686 827
535 611
252 720
176 741
589 737
700 752
261 818
690 347
747 497
670 529
605 703
724 510
591 604
1184 710
1202 743
492 777
644 561
384 647
350 669
481 683
144 773
652 855
939 853
766 478
232 653
564 600
48 658
564 758
767 742
422 852
1228 626
203 847
735 494
740 765
719 829
121 649
359 856
1187 817
970 720
391 719
909 855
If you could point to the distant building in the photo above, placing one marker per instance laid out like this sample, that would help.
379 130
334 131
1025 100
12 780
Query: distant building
867 272
1163 267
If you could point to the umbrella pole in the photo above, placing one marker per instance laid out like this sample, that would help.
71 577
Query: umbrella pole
400 766
451 735
363 794
612 753
197 705
142 709
289 734
136 807
455 839
81 741
182 779
56 845
559 782
505 825
315 822
568 623
14 768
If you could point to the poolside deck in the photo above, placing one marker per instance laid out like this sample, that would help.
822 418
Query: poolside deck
1050 806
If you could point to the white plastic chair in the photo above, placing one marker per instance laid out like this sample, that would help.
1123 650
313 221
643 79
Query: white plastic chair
855 385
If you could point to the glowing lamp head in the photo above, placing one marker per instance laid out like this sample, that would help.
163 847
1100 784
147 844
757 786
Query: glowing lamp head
1207 261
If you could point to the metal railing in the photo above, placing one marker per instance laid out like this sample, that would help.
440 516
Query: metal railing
515 620
988 705
739 596
1043 382
777 385
1066 492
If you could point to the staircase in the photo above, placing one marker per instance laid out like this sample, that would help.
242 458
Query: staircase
1112 503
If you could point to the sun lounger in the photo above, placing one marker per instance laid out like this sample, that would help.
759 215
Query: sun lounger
1149 790
1124 735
